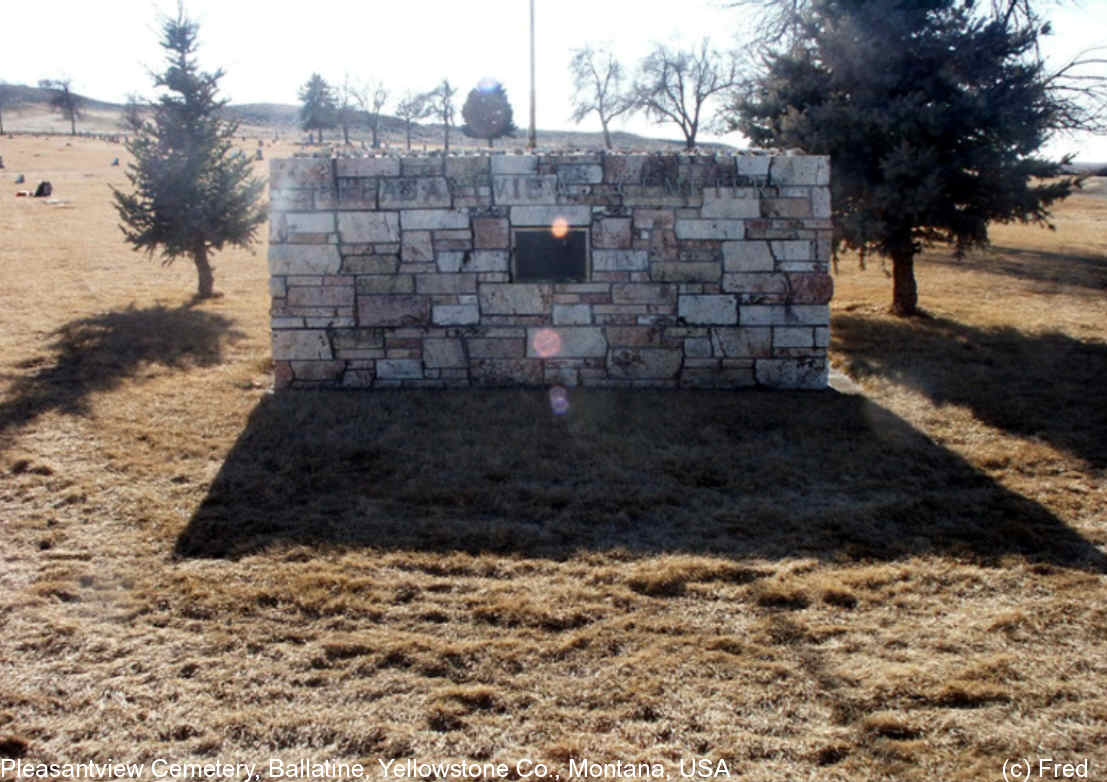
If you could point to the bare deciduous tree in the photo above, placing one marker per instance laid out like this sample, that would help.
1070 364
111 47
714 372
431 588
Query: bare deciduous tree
440 102
346 98
64 101
411 108
371 98
598 87
676 85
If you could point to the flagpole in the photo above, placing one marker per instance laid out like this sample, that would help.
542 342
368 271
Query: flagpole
533 141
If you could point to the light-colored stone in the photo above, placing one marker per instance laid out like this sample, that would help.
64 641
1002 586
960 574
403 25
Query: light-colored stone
800 170
486 261
399 368
449 261
753 165
368 166
456 314
514 164
620 260
643 293
572 314
756 283
697 347
710 229
566 342
414 192
386 283
491 233
291 224
445 284
731 202
820 202
612 232
440 353
747 256
533 189
304 259
793 250
793 337
396 310
434 219
708 309
321 296
580 175
277 287
302 345
543 216
416 247
368 227
515 299
676 271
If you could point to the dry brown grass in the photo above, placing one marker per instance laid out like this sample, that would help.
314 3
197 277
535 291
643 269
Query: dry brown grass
907 584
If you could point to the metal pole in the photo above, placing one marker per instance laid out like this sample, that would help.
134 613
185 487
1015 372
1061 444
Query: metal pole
533 142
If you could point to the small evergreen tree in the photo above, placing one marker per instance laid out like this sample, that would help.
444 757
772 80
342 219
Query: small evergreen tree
487 113
191 194
931 117
320 109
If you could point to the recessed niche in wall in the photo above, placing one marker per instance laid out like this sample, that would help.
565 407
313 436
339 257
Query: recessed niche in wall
550 255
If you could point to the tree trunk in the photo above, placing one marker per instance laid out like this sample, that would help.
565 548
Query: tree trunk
204 273
490 142
407 130
905 293
606 136
376 144
73 124
447 145
346 135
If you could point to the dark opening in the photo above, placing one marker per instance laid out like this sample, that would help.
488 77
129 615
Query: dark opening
541 256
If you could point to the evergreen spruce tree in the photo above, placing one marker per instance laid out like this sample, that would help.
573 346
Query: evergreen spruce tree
487 113
931 116
320 109
191 194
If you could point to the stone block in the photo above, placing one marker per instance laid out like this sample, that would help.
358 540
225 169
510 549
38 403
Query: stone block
420 166
291 226
789 208
785 315
801 373
612 232
743 342
572 314
708 309
441 353
368 227
486 261
515 299
456 314
644 363
566 342
643 293
370 264
620 260
731 202
467 168
697 347
414 192
524 189
753 166
793 337
757 283
299 173
820 203
491 233
654 219
434 219
800 170
321 296
277 287
368 166
543 216
304 259
317 371
399 368
416 247
480 347
450 261
710 229
623 169
580 174
812 288
747 256
514 164
357 339
633 336
303 345
399 310
676 271
386 283
793 250
445 284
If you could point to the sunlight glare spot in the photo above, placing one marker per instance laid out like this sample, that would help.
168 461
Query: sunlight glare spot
560 228
547 343
559 400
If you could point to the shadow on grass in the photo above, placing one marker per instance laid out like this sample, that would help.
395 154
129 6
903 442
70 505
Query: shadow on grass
98 353
1048 386
1089 271
732 474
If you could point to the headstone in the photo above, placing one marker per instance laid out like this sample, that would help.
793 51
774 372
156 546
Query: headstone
20 179
259 156
1 161
115 162
44 190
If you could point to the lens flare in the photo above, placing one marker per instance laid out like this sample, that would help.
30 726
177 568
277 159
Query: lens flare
559 400
547 343
560 228
488 84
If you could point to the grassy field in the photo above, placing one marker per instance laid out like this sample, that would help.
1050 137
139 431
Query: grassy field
905 583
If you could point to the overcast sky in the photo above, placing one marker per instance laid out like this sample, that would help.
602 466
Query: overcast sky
270 49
